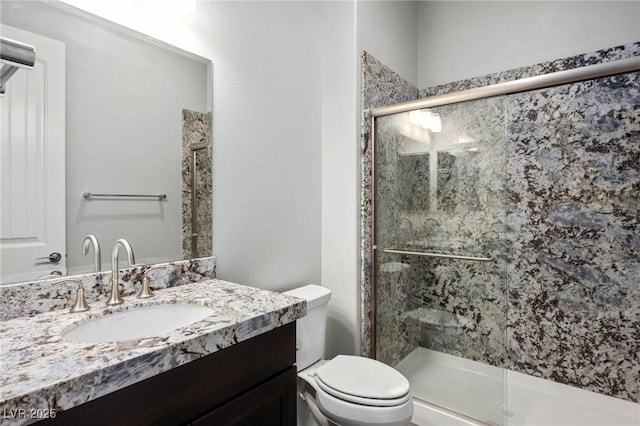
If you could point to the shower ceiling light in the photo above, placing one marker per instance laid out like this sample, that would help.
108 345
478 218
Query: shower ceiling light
435 124
426 119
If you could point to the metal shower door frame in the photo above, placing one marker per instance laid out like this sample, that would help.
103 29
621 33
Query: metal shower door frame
558 78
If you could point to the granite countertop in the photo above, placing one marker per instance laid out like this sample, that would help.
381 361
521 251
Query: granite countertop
42 373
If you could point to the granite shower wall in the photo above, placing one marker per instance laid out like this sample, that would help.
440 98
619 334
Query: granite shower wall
196 129
574 235
566 238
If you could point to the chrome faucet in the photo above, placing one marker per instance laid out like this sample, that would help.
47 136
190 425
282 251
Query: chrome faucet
145 291
91 240
115 298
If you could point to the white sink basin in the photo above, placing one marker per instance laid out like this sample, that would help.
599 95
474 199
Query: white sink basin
139 323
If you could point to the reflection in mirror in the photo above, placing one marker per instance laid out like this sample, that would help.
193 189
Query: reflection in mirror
413 175
436 161
458 176
101 112
449 160
196 184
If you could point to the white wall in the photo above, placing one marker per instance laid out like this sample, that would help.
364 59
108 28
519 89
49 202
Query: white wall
267 143
389 31
458 40
340 176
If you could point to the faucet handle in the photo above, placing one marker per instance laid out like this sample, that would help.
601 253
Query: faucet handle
80 304
145 291
97 259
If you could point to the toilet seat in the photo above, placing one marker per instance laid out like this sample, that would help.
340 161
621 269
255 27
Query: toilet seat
362 401
349 414
363 381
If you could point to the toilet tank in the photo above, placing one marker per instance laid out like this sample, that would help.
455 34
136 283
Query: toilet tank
310 329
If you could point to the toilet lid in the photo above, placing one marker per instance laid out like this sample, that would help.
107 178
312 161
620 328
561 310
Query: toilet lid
363 380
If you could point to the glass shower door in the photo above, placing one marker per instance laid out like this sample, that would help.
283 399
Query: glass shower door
439 267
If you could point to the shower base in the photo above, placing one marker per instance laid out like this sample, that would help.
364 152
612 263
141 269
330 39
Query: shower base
495 396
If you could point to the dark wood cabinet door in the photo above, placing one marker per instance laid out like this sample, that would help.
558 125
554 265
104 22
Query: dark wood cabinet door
272 403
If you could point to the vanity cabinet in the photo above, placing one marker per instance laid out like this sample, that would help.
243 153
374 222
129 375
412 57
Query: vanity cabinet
265 405
249 383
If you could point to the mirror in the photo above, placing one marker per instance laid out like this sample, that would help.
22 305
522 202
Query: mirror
134 108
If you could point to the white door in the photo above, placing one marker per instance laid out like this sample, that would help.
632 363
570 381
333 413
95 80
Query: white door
32 163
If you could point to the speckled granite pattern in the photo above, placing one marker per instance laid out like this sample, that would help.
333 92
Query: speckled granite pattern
574 237
379 86
465 215
40 370
605 55
395 337
30 298
196 129
397 334
565 235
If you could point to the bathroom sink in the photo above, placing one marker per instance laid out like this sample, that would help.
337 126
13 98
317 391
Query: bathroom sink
138 323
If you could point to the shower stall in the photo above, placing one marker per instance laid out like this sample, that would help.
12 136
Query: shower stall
501 245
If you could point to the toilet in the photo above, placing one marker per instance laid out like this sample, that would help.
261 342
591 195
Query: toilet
347 390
